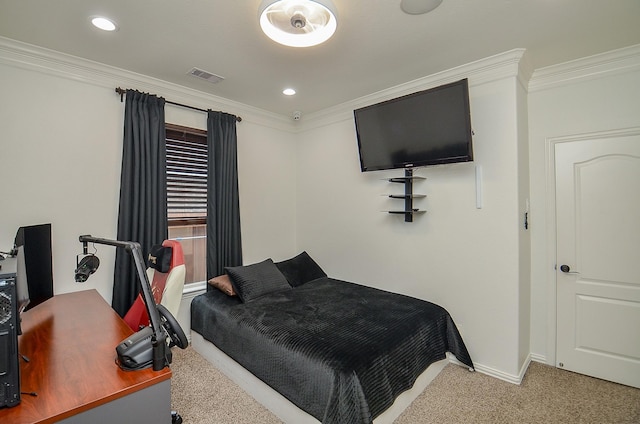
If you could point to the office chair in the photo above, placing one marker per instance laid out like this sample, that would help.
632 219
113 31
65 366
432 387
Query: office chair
166 272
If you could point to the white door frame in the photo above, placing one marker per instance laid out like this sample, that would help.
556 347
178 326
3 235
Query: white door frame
551 235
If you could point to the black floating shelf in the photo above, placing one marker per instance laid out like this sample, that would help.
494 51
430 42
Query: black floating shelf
408 195
405 179
406 212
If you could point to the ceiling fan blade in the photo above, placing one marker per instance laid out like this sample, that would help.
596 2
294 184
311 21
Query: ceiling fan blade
282 20
318 16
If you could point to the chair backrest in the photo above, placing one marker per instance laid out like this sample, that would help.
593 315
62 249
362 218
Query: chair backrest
165 286
174 280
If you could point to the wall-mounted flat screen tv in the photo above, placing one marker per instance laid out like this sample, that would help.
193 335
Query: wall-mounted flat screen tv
429 127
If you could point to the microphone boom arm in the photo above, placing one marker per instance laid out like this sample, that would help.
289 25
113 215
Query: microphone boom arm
159 335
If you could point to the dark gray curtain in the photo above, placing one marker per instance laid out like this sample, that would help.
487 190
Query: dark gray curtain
142 215
224 244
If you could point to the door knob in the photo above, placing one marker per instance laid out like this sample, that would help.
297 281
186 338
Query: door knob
567 269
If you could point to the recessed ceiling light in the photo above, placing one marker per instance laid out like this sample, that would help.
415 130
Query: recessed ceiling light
103 23
288 91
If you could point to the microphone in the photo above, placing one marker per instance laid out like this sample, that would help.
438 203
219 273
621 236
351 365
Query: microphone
87 266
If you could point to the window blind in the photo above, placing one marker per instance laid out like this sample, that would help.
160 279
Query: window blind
186 175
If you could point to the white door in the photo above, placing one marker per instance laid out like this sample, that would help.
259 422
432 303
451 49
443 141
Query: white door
598 257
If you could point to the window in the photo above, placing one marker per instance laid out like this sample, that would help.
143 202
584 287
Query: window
187 196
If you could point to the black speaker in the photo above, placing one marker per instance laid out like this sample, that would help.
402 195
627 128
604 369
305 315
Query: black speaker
9 360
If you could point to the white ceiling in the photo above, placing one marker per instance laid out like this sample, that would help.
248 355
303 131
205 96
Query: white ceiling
376 45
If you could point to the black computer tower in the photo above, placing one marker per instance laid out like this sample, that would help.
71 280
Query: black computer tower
9 360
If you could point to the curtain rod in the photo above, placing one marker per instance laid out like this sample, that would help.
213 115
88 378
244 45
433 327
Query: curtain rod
122 91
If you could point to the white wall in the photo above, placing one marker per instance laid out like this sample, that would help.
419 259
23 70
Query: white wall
61 149
60 162
463 258
594 94
267 183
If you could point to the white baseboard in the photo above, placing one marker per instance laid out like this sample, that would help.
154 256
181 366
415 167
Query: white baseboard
510 378
536 357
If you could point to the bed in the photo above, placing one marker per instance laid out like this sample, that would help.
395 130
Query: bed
339 351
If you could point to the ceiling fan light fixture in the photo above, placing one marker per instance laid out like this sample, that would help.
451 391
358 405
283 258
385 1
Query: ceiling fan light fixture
298 23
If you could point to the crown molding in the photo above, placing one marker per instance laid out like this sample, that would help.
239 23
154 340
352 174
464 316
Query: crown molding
51 62
39 59
617 61
512 63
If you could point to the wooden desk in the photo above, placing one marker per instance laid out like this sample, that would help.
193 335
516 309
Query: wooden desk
70 341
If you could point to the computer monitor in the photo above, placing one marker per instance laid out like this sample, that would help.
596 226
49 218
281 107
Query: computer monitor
34 276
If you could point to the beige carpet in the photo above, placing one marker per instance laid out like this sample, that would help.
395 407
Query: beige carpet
203 395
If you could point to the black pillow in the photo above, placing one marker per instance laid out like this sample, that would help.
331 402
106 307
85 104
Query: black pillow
300 269
252 281
160 258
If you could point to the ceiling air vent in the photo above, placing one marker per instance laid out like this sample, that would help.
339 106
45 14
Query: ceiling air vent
212 78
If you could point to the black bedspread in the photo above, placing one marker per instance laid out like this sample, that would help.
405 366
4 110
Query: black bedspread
340 351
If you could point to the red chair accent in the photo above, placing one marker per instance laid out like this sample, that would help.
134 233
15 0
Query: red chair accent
166 288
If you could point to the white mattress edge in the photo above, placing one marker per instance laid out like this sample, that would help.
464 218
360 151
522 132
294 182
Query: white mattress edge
281 406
